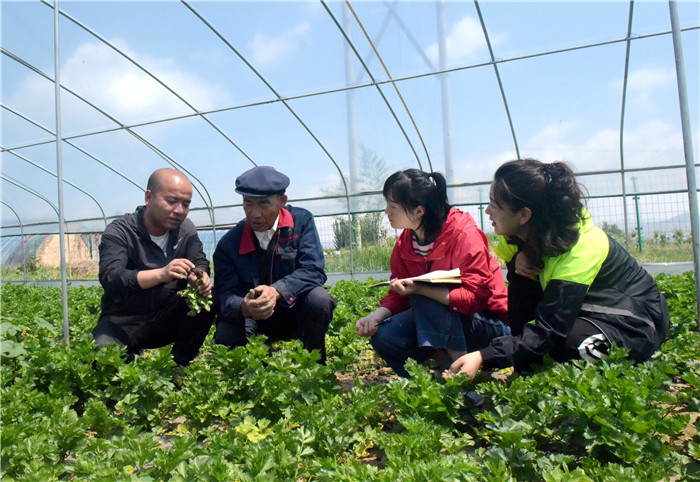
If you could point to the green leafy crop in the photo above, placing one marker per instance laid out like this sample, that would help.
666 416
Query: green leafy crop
272 412
196 302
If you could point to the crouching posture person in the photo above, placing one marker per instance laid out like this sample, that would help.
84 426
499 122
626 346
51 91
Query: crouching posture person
419 320
146 257
270 269
573 291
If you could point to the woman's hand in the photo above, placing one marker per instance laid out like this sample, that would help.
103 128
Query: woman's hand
369 325
404 287
407 287
469 364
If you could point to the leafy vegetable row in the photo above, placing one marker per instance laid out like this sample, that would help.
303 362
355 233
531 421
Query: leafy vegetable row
245 414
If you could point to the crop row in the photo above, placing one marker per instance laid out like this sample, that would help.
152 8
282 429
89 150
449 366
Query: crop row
72 412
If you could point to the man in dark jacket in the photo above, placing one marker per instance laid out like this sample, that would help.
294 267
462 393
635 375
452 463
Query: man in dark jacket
270 269
146 257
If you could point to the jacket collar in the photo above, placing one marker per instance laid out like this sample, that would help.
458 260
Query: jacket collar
139 225
247 243
456 221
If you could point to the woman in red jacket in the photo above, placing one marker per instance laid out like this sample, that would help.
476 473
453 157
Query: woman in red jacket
416 319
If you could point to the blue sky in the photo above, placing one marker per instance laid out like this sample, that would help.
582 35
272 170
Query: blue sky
564 106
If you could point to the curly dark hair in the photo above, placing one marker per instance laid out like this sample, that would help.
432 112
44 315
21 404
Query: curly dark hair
412 188
556 200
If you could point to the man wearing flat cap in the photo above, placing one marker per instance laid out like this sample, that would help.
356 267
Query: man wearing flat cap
269 269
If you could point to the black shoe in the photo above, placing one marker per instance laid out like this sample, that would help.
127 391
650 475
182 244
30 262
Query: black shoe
474 398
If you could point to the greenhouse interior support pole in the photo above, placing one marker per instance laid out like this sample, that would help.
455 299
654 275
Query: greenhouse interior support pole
622 129
59 174
687 145
445 94
352 139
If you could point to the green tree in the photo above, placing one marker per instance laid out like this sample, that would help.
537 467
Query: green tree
371 227
679 236
660 238
367 228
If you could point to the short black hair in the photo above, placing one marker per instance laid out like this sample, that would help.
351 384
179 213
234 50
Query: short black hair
412 188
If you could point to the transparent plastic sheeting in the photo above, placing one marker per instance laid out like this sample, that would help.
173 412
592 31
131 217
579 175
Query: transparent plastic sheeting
338 95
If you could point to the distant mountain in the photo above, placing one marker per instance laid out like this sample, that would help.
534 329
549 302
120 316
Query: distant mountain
679 221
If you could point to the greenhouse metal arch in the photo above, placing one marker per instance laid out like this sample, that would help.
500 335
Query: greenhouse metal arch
286 85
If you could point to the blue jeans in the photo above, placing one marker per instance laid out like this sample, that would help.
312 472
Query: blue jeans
428 326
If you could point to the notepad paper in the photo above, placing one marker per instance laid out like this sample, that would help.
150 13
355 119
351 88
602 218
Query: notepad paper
441 276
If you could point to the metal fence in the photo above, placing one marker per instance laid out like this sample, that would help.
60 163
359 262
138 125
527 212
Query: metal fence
655 209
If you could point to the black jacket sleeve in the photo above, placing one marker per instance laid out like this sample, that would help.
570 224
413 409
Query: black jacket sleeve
554 317
116 276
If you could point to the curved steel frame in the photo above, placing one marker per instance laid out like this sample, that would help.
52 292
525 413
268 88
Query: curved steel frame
49 131
21 231
38 166
124 127
688 146
498 77
622 122
377 84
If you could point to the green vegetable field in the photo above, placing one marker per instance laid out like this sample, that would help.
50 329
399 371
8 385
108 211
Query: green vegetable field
73 413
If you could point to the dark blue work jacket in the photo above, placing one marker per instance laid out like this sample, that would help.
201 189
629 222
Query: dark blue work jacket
294 266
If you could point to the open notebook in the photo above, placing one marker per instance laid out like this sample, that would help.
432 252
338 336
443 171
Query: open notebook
440 276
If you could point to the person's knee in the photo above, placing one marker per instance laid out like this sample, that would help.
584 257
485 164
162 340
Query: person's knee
385 346
229 335
108 333
104 336
320 300
101 340
423 304
317 309
419 300
480 330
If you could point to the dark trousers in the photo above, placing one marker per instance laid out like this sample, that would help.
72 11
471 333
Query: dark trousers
307 320
584 340
429 326
171 324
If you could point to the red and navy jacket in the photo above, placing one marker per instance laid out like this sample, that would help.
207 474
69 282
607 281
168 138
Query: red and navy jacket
296 265
460 244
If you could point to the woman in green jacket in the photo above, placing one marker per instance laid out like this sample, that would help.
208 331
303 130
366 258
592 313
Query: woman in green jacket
573 291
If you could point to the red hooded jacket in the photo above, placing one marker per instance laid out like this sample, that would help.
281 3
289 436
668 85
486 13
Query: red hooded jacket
460 244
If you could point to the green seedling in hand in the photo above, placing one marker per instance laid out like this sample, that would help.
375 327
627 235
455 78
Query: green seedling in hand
195 301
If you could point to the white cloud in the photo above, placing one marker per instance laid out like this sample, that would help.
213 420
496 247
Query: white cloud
465 40
653 143
648 78
268 49
97 72
103 77
644 83
553 134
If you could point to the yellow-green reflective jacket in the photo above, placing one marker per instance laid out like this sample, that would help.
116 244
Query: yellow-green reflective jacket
596 280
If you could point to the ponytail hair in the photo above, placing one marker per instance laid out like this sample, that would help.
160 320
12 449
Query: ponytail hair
553 196
412 188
